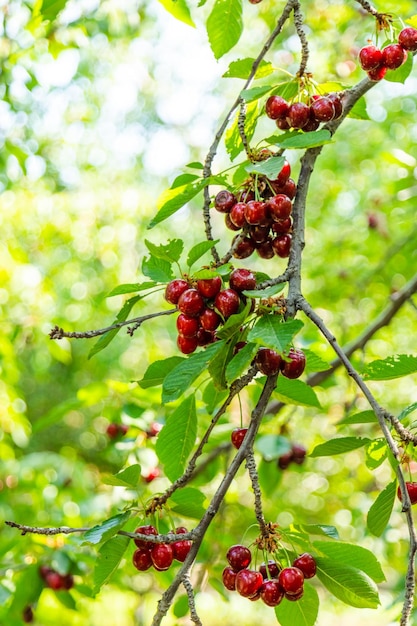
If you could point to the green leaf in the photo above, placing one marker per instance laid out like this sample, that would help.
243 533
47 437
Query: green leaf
242 68
172 200
406 412
288 89
180 607
272 332
392 367
253 94
271 447
170 252
51 8
376 453
109 557
380 511
359 111
301 613
199 250
181 377
122 316
339 446
348 584
402 73
234 323
177 438
314 363
296 392
268 292
320 529
218 365
158 370
270 167
364 417
213 397
233 140
131 288
240 363
157 269
107 529
188 502
352 555
183 179
224 26
128 477
179 9
300 140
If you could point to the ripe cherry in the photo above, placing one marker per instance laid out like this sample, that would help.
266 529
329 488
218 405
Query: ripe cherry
408 38
272 568
279 207
337 104
204 337
289 188
265 249
256 212
283 123
209 287
237 437
162 556
282 227
237 214
393 56
291 580
152 474
248 582
229 224
295 366
174 289
293 597
306 563
229 578
242 279
210 320
227 302
282 246
115 430
299 453
244 248
224 201
187 345
187 326
145 530
412 492
259 233
276 107
370 57
378 73
285 460
239 557
271 592
268 361
181 548
191 303
142 559
54 580
283 176
154 429
323 109
67 581
298 115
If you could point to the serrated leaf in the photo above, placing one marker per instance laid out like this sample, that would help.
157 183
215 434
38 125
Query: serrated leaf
392 367
401 74
179 10
233 140
339 446
128 477
364 417
359 111
107 529
240 363
314 362
131 288
234 323
300 140
109 557
122 316
352 555
270 167
51 8
272 332
172 200
188 502
170 252
348 584
271 447
241 68
199 250
181 377
217 366
253 94
156 372
376 453
296 392
380 511
301 613
177 438
158 270
224 26
268 292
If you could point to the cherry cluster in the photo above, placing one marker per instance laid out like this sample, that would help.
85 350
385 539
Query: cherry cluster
262 209
159 555
54 580
115 430
271 583
377 62
204 305
304 115
296 455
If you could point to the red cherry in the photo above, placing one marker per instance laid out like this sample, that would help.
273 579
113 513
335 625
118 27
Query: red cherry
142 559
44 570
112 430
237 437
312 123
285 460
408 38
154 429
283 123
145 530
271 592
282 227
237 215
181 548
162 556
268 361
187 345
291 580
259 234
299 453
229 578
229 224
298 115
174 289
323 109
288 189
265 250
337 104
209 287
210 320
154 473
276 107
306 563
224 201
67 581
295 366
256 212
283 176
293 597
248 582
393 56
272 569
370 58
239 557
378 73
280 207
282 246
242 279
412 492
187 326
244 248
227 302
191 303
54 581
204 337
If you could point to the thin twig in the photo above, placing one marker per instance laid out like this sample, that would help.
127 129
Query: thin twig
299 27
60 530
253 473
191 600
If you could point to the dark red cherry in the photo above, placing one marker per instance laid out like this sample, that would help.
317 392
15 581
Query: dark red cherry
370 57
282 246
378 73
145 530
239 557
237 214
299 453
229 224
248 582
268 361
242 279
271 592
187 345
289 188
272 567
306 563
259 234
209 287
191 303
256 212
237 437
393 56
210 320
412 492
244 248
276 107
229 578
279 207
337 104
295 366
204 337
227 302
112 430
293 597
323 109
162 556
282 227
291 580
174 289
181 548
187 326
54 580
283 175
283 123
265 249
298 115
224 201
142 559
152 474
285 460
408 38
